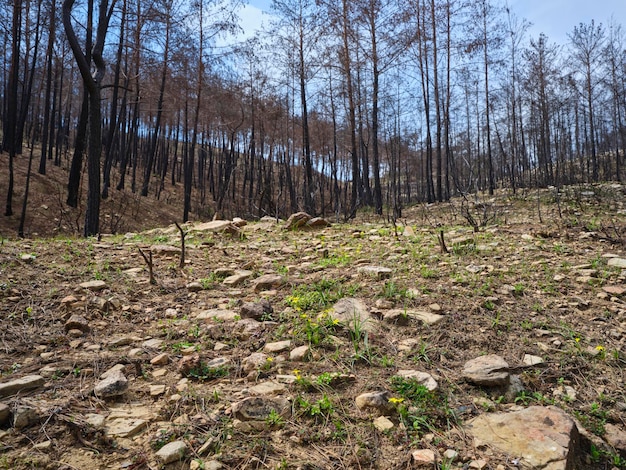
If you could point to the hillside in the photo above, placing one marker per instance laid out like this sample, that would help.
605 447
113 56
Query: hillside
349 346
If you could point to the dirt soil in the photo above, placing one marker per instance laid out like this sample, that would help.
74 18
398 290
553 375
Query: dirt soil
534 280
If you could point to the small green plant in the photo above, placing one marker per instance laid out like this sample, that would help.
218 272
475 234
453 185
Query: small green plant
392 291
181 345
274 419
321 409
204 372
518 289
428 273
526 325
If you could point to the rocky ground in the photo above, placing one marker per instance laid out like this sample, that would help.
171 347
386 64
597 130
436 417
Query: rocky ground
318 347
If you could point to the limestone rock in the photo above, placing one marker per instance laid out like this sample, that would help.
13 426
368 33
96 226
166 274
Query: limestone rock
318 222
490 370
617 263
172 452
423 458
382 423
237 278
253 361
218 226
277 347
616 437
268 389
94 286
423 378
297 220
300 353
77 322
165 250
353 313
259 408
377 272
256 310
218 314
23 384
378 401
531 360
267 282
541 437
160 360
24 416
113 385
428 318
189 363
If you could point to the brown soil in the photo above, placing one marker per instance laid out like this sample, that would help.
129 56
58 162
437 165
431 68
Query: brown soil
519 286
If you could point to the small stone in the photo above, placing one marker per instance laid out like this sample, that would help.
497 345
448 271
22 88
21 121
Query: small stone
156 390
450 455
194 286
115 384
23 384
5 413
237 278
490 370
382 423
614 290
378 401
95 420
377 272
75 333
267 282
478 464
423 378
259 408
77 322
423 458
165 250
154 343
530 360
253 362
256 310
353 314
43 445
617 263
268 389
160 360
277 347
428 318
94 286
188 364
218 315
172 452
24 417
435 307
300 353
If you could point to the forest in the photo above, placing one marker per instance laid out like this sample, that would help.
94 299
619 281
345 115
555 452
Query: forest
336 106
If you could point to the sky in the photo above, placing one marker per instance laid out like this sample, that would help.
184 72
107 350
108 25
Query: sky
555 18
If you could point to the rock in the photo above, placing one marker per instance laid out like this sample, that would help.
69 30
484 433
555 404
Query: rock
378 401
382 423
156 390
127 421
616 437
318 222
478 464
541 437
237 278
23 384
253 362
194 286
94 286
297 220
450 455
188 364
268 389
377 272
154 343
165 250
77 322
24 416
277 347
353 314
5 413
423 458
256 310
218 226
614 290
172 452
267 282
530 360
428 318
423 378
160 360
490 370
113 385
617 263
95 420
259 408
218 314
300 353
396 317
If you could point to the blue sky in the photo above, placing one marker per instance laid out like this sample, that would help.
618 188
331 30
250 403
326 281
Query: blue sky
555 18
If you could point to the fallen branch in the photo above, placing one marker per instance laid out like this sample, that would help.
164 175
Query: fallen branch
182 246
148 260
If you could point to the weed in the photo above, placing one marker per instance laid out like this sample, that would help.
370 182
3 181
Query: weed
321 409
392 291
319 295
274 419
203 372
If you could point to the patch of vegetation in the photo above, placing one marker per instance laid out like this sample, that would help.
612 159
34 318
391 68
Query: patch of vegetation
319 295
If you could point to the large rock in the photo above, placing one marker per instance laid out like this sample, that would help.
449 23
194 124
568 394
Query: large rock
616 437
172 452
540 437
377 272
423 378
115 384
375 401
490 370
256 310
353 314
77 322
218 226
237 278
259 408
297 220
24 384
617 263
267 282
